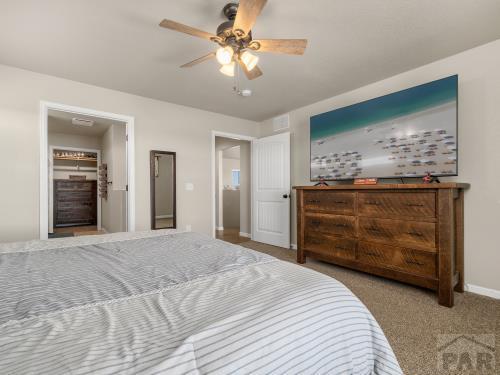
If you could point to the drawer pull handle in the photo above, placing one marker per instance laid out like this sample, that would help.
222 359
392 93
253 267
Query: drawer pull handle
339 202
372 254
313 201
414 205
415 262
372 203
373 229
315 222
342 248
417 234
340 225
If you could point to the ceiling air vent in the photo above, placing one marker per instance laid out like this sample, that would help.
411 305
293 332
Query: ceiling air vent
281 122
82 122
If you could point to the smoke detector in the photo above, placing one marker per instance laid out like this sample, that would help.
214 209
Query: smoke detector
82 122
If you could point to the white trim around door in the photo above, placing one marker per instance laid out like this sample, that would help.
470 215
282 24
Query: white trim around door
238 137
44 160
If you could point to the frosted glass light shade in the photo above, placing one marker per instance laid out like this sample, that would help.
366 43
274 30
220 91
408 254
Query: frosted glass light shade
224 55
228 69
249 60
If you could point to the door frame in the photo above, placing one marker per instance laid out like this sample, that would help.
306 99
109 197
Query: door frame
238 137
51 181
45 106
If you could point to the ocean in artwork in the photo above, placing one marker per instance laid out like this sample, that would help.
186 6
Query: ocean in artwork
405 134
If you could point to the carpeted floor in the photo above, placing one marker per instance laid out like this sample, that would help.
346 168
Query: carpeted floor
410 317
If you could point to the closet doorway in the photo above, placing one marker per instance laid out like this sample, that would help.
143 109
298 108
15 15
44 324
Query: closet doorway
86 172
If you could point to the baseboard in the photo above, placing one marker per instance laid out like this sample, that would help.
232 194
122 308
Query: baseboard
247 235
165 216
293 246
493 293
219 228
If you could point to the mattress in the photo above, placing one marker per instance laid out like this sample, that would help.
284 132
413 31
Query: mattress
180 303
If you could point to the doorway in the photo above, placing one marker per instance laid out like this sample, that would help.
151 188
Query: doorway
86 172
231 177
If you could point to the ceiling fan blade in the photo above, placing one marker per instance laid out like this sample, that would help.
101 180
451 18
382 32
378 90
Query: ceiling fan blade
288 46
172 25
199 60
251 74
248 11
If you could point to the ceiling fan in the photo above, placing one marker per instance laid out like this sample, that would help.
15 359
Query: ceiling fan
235 39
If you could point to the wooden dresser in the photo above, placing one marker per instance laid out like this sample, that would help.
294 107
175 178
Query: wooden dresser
75 202
407 232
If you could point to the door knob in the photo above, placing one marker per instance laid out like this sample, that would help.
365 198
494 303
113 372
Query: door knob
286 196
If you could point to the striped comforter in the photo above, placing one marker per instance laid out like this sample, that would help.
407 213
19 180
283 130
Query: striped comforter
172 302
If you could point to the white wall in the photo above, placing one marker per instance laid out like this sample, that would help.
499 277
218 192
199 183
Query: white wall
63 169
71 140
479 146
158 125
231 207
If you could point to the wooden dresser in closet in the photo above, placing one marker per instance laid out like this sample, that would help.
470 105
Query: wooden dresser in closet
407 232
75 202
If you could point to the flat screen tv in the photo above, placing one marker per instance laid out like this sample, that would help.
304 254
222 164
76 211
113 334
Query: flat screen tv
405 134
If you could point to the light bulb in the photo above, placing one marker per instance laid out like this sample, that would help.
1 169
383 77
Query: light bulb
228 69
249 60
224 55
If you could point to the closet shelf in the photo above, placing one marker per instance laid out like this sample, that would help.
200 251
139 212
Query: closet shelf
75 158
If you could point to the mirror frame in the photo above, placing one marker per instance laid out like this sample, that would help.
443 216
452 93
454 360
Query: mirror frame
152 155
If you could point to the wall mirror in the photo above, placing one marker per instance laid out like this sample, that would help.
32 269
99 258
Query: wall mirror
162 172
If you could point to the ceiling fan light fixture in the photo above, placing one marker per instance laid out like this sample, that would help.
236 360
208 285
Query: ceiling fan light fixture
228 69
249 60
224 55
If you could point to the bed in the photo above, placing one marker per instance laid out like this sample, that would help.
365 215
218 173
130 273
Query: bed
178 303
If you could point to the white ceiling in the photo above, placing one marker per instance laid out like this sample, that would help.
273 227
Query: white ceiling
61 122
118 44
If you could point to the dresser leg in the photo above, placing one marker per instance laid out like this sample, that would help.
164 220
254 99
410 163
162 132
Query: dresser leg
445 297
459 241
301 259
445 260
460 287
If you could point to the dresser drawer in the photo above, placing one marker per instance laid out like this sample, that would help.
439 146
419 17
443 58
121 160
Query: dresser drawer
77 185
404 259
398 232
330 245
329 201
330 224
391 204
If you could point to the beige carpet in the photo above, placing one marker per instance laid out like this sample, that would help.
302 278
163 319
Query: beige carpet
410 317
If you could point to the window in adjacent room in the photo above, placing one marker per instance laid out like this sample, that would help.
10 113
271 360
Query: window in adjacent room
235 177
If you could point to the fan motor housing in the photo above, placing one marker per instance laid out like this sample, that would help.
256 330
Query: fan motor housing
226 33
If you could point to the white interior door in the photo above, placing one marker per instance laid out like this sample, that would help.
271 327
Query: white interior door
271 190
